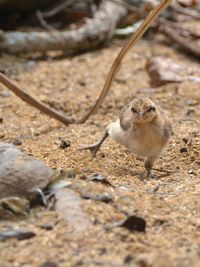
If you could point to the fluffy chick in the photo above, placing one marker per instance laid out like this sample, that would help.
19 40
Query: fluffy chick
142 127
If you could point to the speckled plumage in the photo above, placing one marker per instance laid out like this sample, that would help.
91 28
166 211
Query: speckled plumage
142 127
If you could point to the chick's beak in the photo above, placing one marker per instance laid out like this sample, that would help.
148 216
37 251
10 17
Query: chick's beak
141 114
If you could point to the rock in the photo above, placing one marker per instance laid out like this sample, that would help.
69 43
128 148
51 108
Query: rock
20 173
163 70
69 204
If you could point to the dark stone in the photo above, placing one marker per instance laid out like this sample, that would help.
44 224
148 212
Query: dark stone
185 140
64 144
134 223
49 264
17 142
128 258
21 174
183 150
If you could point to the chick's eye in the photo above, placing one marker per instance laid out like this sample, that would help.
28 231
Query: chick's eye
133 110
151 109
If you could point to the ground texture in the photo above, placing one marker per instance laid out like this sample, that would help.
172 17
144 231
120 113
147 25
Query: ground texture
169 204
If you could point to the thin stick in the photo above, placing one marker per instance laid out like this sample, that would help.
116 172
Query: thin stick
129 7
116 64
44 23
187 11
34 102
161 170
58 8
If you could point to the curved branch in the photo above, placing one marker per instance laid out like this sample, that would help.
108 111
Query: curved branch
92 34
112 73
131 42
33 101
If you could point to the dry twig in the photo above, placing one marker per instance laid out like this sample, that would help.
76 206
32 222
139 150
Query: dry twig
57 9
131 42
44 23
184 42
112 73
33 101
186 11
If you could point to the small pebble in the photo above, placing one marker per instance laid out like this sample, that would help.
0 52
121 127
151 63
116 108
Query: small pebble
190 111
49 264
191 172
192 102
82 83
17 142
183 150
128 258
185 140
5 94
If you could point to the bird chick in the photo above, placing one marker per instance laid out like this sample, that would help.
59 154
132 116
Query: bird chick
142 127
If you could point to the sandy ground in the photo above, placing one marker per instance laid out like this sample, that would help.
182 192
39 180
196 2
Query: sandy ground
170 205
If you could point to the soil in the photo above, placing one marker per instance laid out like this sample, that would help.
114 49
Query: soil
170 204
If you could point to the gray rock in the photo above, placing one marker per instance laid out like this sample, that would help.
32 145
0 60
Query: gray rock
21 174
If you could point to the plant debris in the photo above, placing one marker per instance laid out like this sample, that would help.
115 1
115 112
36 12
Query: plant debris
64 144
132 223
104 197
100 178
15 205
168 243
18 234
62 180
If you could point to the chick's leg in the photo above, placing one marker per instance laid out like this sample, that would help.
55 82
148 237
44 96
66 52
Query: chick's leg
148 164
95 147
